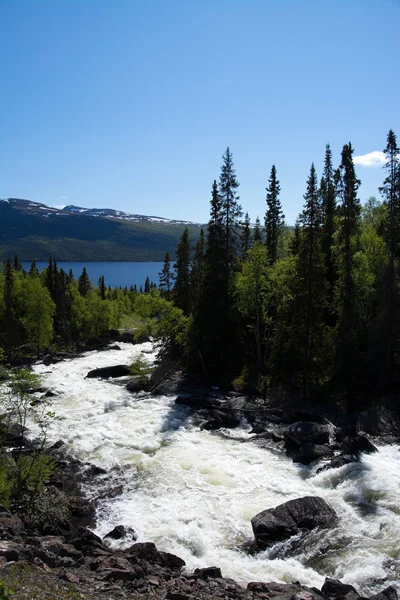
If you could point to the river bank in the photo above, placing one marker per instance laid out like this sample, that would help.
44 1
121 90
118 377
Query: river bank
189 481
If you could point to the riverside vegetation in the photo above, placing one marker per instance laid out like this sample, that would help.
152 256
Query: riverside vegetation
313 310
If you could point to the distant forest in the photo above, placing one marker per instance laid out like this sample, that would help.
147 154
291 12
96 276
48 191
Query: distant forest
314 308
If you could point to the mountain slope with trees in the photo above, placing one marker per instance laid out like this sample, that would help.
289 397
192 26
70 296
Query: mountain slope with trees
34 232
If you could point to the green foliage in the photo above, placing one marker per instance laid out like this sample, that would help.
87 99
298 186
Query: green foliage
25 472
5 592
140 367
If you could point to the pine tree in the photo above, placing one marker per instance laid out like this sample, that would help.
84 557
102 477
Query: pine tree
33 271
257 233
211 308
9 322
146 286
182 267
197 273
311 282
274 217
17 264
328 195
391 193
231 210
166 277
245 237
347 351
84 284
295 241
102 287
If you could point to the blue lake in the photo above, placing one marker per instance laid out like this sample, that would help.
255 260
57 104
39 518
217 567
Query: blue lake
115 273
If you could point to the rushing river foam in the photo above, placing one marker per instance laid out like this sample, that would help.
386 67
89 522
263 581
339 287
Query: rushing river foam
194 492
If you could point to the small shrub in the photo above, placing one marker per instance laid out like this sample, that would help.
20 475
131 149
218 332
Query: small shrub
140 367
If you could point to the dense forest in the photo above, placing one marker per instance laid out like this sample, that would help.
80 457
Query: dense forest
314 308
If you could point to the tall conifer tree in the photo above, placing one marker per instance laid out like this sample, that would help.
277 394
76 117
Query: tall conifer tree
231 210
347 362
181 290
391 193
273 216
311 280
328 195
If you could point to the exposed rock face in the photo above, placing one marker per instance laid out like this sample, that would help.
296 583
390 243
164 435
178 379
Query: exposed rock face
291 518
106 372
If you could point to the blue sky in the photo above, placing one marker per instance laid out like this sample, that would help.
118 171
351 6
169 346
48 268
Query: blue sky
130 104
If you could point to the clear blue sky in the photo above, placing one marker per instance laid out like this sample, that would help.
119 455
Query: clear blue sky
130 103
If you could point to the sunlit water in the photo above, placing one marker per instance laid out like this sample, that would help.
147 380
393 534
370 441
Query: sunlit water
194 492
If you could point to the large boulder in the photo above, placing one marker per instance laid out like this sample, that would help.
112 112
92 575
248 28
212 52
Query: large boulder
379 421
290 518
309 452
221 419
307 431
106 372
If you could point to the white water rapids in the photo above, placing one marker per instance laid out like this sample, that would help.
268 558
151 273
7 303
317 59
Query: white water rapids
194 492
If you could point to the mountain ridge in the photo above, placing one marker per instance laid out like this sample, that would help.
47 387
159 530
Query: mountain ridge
34 231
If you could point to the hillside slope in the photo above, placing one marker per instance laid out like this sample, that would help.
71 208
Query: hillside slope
34 231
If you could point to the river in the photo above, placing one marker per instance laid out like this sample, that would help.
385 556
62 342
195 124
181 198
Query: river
194 492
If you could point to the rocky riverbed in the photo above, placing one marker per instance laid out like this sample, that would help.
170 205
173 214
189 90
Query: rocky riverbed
185 471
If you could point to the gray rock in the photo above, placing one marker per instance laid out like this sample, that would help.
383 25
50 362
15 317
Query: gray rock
336 589
309 452
291 518
305 431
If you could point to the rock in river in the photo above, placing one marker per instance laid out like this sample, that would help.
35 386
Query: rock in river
291 518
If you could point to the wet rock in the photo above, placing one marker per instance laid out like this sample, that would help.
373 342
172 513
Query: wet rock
336 589
119 532
290 518
126 337
198 402
115 347
106 372
379 421
148 552
339 461
306 431
137 384
86 538
222 419
309 452
358 444
208 572
388 593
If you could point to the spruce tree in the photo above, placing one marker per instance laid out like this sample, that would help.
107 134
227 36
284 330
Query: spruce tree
245 237
197 273
391 193
311 282
102 287
84 284
182 267
165 277
147 286
231 210
274 217
33 271
347 350
257 233
328 195
9 322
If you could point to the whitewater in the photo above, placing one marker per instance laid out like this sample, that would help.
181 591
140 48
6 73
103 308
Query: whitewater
193 492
